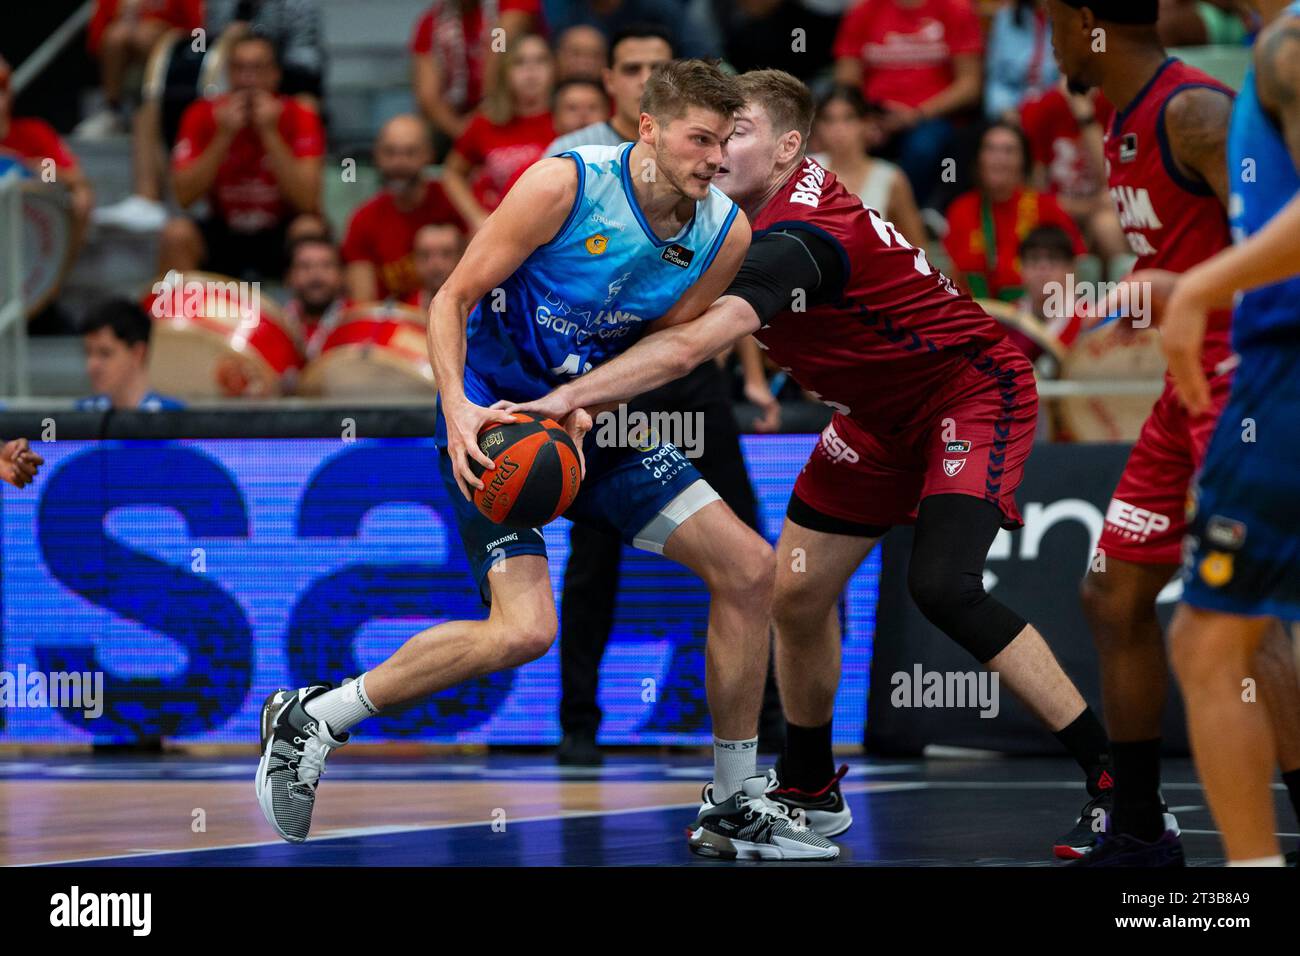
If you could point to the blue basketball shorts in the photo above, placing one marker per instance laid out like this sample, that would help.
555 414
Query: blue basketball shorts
1242 550
639 495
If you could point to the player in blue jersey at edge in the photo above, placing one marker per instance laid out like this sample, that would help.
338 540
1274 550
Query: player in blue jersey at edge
1242 552
588 252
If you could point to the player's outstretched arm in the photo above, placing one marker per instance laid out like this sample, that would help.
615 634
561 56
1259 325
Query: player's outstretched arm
530 215
666 355
782 267
1270 255
18 463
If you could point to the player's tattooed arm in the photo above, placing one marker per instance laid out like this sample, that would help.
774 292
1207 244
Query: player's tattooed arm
1277 79
1196 121
1269 255
1273 252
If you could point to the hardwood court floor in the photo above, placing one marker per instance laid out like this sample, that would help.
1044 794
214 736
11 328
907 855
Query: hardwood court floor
438 811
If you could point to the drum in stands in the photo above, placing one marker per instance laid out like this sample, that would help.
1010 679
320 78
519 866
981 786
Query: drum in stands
216 337
46 244
373 350
181 70
1013 320
1104 356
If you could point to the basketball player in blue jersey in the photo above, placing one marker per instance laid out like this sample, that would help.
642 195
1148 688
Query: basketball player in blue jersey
1242 551
587 250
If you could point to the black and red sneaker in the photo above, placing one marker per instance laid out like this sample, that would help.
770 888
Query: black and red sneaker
1093 831
1122 849
823 810
1084 837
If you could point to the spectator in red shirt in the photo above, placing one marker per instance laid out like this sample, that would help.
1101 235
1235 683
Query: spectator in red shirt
122 34
35 144
1065 142
437 250
450 48
296 29
920 59
315 284
377 246
577 103
987 224
509 133
255 155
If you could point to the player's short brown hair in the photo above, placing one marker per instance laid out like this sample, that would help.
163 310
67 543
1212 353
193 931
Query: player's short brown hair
678 84
787 102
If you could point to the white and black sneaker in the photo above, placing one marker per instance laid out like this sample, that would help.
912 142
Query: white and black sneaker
824 809
294 747
749 826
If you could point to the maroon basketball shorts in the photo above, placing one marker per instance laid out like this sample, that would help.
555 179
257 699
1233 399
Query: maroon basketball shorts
972 438
1147 517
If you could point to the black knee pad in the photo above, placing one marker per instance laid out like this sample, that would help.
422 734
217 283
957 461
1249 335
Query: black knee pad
956 603
946 575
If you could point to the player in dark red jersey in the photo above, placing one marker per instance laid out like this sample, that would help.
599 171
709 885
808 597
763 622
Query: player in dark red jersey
1164 147
935 416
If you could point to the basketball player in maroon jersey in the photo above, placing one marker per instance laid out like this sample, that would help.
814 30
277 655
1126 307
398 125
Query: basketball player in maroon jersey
934 418
1165 156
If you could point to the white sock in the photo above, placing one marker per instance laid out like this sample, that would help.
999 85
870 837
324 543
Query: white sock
344 706
733 761
1260 861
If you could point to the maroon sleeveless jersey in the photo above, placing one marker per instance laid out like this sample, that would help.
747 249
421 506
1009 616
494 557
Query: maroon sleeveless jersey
1171 221
901 334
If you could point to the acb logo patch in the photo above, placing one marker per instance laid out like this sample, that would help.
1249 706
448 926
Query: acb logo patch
596 244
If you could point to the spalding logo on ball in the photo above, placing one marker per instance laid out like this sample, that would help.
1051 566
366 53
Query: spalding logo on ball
536 476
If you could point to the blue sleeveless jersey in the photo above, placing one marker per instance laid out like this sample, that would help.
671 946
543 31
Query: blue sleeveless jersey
1255 144
590 292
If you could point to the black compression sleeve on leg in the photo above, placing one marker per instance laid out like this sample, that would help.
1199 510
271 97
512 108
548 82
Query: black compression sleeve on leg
946 574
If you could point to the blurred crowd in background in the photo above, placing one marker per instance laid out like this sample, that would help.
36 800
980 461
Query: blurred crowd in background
948 116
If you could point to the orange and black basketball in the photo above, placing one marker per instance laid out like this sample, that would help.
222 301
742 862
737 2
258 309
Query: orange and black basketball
536 476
